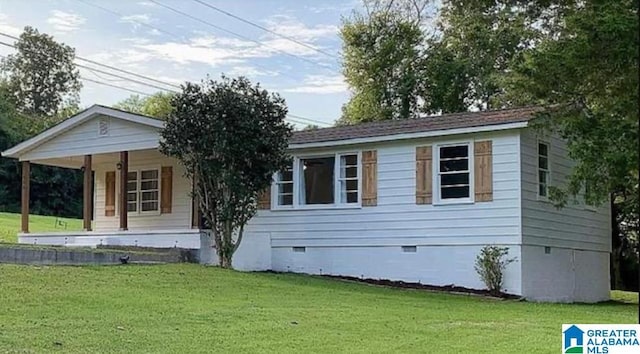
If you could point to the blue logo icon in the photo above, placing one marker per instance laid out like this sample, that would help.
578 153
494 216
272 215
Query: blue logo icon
573 340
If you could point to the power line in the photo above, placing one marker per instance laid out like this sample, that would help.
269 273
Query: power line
180 38
308 119
265 29
301 120
106 84
109 66
239 35
107 73
115 86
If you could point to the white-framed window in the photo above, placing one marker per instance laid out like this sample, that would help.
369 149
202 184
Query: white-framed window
453 177
544 172
143 191
319 181
284 187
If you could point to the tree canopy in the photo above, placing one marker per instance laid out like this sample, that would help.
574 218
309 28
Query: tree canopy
231 137
41 75
157 105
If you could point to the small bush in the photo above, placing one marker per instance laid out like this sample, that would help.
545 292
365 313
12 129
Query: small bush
490 265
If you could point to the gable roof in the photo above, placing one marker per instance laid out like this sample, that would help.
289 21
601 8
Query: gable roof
436 125
77 119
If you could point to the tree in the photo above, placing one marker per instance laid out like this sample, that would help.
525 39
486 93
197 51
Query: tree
476 45
41 75
381 64
230 137
157 105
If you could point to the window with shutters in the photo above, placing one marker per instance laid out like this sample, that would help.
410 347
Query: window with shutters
143 191
319 181
543 170
453 176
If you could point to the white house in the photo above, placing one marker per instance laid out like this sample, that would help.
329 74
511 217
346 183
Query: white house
410 200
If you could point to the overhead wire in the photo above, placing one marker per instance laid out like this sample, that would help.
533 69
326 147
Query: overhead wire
291 39
238 35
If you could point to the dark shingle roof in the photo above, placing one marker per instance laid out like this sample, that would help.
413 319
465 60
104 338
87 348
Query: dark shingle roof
394 127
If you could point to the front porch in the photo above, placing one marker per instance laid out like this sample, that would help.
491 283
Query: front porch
132 194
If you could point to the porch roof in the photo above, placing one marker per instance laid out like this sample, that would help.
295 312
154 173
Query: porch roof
143 134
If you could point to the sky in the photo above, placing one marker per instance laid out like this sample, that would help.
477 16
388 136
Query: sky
301 61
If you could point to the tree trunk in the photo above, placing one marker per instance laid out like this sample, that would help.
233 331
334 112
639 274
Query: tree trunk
225 261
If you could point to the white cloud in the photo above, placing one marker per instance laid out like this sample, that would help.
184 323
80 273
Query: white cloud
7 28
65 21
137 20
320 84
250 71
293 28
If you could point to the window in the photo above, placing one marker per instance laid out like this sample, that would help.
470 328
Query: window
321 181
348 179
143 193
316 180
543 169
284 187
453 172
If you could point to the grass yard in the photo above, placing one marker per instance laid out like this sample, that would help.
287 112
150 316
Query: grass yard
10 225
190 308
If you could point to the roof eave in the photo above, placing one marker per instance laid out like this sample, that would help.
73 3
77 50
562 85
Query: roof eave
405 136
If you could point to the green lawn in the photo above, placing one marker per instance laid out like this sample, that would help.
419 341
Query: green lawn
190 308
10 225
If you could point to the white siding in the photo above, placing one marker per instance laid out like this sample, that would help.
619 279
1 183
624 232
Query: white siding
84 139
367 241
180 217
573 226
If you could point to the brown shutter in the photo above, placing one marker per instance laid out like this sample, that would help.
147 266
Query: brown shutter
110 193
264 199
423 175
483 171
166 198
370 178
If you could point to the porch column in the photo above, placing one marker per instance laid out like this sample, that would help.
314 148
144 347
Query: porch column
26 181
86 209
124 171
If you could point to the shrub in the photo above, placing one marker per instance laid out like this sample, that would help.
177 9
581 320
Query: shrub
490 265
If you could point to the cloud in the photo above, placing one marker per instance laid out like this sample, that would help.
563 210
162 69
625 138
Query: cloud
320 84
6 27
137 20
65 21
250 71
293 28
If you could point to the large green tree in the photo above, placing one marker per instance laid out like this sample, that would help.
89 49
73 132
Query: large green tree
382 60
41 75
231 137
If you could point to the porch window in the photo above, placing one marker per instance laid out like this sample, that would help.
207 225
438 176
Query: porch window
453 172
143 193
319 180
543 170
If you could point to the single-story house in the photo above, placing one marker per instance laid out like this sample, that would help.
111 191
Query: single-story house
410 200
